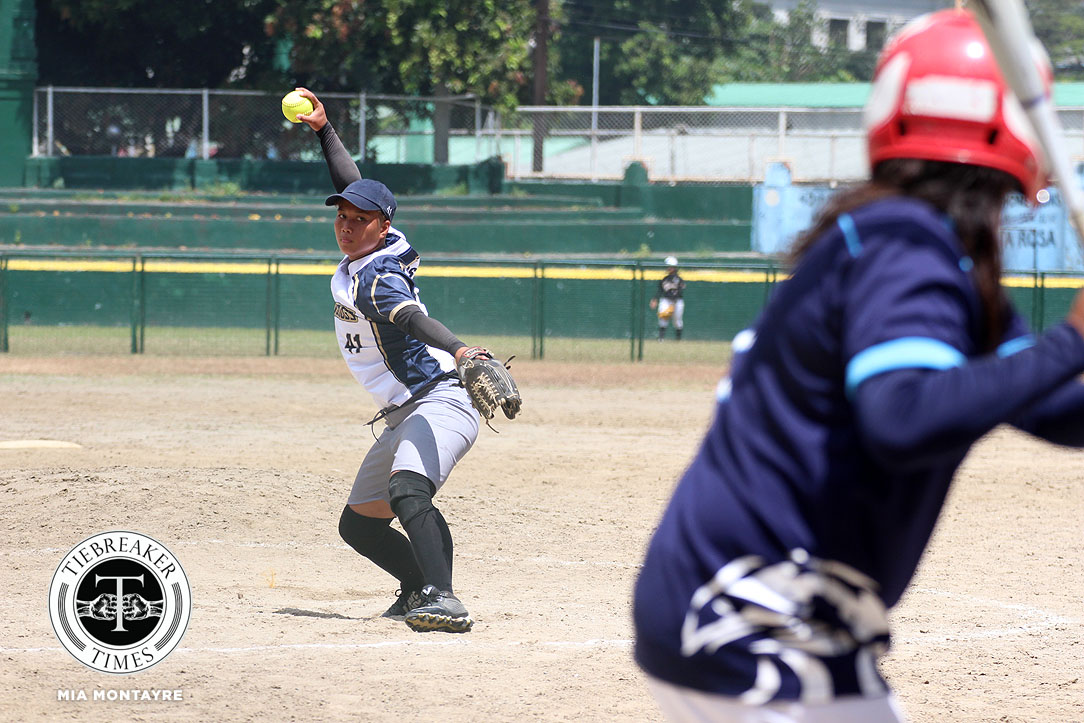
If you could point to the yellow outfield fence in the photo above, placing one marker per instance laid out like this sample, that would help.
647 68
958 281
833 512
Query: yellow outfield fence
180 303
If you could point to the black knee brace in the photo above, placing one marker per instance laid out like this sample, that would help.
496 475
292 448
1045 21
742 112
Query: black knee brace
373 537
412 502
362 533
411 495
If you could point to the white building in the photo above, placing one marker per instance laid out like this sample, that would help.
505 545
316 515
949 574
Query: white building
859 24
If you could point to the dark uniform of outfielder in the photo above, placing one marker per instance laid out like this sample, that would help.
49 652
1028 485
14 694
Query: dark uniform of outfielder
669 300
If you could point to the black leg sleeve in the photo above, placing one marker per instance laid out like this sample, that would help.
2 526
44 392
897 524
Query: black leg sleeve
412 502
372 537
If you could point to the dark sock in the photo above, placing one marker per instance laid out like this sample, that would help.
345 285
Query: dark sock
373 537
412 502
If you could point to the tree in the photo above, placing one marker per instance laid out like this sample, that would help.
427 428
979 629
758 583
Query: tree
418 47
775 51
1059 24
408 46
652 51
145 43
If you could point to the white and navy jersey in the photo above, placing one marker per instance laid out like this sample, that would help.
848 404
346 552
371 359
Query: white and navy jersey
368 294
848 409
671 287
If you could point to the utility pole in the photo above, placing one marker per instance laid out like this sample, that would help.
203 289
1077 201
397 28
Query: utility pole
538 97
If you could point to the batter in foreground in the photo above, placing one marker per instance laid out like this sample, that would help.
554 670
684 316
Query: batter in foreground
851 403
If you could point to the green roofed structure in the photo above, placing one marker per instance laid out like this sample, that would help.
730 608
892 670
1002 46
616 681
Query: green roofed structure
832 95
796 95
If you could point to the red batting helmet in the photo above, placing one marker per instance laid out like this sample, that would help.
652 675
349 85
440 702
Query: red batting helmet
938 95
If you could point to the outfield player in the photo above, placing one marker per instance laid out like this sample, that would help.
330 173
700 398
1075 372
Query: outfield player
406 360
851 403
669 302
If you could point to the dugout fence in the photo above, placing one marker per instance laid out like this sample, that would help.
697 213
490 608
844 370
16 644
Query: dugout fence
203 304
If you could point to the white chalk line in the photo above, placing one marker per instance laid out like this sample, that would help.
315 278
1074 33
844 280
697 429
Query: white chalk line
1046 619
460 642
1042 619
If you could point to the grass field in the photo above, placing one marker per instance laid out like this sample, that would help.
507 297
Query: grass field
207 341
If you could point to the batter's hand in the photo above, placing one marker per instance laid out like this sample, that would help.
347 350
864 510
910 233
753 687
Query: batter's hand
654 303
318 118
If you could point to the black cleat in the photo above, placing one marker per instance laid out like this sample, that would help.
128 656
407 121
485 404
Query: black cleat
408 600
440 611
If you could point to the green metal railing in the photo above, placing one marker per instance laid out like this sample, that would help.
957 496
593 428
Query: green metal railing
267 304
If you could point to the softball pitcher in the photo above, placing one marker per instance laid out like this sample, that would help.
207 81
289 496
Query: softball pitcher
889 351
407 361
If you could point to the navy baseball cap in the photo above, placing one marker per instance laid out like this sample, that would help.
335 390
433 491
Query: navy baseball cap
368 195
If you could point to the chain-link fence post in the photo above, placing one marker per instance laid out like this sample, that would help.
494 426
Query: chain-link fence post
49 121
136 303
540 302
34 137
362 112
142 304
643 312
269 302
539 131
206 101
1036 293
1042 303
3 304
634 315
276 303
594 142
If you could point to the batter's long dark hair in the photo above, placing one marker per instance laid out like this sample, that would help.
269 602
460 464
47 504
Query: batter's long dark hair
972 196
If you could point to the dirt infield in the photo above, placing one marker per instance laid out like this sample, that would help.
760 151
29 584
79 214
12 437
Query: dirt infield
241 467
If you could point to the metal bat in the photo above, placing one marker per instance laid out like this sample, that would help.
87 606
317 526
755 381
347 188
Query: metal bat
1007 28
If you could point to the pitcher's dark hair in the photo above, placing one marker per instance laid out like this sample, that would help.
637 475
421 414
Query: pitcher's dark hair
972 196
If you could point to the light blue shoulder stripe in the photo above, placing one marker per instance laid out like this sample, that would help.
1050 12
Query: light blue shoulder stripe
910 352
1012 346
850 234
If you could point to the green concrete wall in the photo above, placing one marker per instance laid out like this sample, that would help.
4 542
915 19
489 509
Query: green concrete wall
439 210
731 202
307 177
540 236
95 209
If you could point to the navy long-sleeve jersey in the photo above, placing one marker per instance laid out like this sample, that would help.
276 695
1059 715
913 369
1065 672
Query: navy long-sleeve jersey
848 409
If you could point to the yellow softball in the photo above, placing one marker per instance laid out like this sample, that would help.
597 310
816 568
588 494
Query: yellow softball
293 104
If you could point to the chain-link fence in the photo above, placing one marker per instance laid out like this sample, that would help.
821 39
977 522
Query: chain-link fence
80 303
64 303
696 144
202 123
